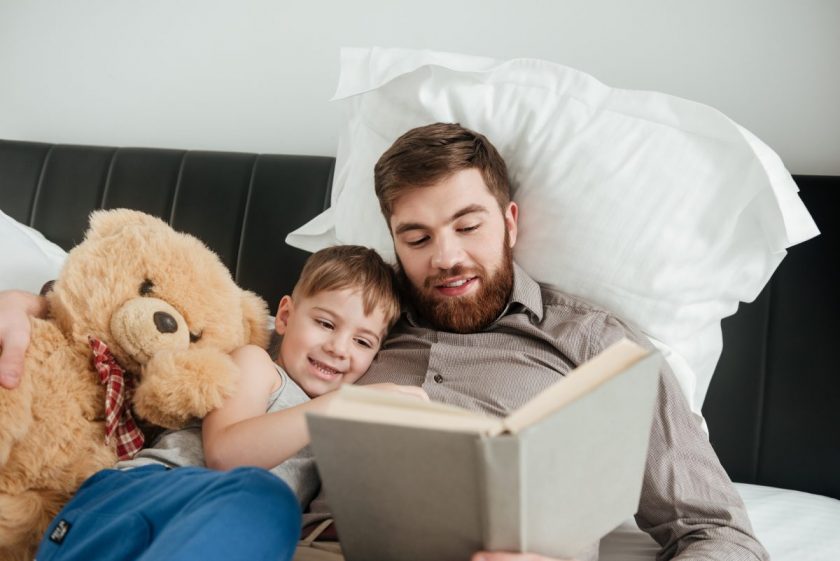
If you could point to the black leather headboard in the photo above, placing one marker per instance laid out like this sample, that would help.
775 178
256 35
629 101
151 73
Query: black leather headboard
773 408
241 205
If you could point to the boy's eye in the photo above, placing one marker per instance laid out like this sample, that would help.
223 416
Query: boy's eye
324 323
365 343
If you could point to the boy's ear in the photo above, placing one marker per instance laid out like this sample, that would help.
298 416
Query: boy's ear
284 311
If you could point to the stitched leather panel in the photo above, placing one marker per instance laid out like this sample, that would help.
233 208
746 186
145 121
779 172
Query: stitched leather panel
20 170
800 440
287 191
734 402
143 179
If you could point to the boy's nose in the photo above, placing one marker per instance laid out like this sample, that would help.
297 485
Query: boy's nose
337 346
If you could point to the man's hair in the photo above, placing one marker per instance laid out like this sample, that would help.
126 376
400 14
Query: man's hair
352 266
426 155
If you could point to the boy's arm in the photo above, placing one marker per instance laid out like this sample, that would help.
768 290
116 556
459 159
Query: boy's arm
15 308
240 432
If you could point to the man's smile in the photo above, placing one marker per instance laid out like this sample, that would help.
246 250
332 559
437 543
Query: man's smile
457 286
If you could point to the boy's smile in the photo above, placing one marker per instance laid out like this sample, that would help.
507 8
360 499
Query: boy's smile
327 339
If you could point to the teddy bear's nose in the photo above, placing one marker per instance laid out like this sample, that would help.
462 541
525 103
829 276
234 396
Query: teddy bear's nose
165 323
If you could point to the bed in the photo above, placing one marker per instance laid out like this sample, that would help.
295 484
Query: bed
772 409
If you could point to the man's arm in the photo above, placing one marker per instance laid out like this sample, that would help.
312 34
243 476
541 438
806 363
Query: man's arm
15 308
688 503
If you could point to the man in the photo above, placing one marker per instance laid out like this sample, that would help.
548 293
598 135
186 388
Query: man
480 333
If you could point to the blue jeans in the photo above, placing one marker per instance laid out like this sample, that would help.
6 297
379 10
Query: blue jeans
154 513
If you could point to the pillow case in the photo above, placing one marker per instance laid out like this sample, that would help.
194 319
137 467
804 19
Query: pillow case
28 258
657 208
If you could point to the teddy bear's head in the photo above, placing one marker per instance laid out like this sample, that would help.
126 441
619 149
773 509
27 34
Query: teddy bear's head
165 306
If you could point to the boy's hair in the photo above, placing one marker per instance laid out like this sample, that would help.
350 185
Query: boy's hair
425 155
352 266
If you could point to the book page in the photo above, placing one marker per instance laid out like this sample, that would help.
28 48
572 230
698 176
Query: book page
366 404
612 361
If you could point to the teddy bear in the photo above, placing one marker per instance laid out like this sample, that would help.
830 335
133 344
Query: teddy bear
139 326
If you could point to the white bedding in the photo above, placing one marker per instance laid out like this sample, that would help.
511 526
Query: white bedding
792 525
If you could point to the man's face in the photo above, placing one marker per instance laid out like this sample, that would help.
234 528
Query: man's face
454 248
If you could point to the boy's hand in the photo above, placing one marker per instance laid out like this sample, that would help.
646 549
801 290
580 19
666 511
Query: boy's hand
413 391
15 308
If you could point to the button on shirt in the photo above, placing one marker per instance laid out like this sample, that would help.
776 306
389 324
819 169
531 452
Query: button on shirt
688 504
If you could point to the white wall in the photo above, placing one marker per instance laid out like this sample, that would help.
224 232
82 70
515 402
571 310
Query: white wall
256 75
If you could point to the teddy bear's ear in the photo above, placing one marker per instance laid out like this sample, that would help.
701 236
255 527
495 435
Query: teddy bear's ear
255 318
105 223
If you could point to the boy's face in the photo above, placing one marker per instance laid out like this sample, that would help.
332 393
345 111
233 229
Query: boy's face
327 339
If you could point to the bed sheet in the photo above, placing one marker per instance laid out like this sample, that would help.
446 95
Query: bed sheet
792 525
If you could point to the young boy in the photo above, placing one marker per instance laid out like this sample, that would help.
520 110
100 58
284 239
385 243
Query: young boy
329 331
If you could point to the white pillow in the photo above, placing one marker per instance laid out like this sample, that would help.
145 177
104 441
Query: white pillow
660 209
28 259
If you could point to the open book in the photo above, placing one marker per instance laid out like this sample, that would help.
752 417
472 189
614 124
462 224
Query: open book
409 480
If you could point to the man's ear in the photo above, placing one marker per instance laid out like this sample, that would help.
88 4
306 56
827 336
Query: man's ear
511 216
284 312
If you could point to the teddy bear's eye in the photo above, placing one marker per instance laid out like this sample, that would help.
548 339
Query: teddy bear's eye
194 337
146 287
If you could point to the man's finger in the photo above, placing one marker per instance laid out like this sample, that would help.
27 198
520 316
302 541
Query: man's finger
11 362
9 376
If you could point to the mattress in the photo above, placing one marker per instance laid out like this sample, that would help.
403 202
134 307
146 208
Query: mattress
792 525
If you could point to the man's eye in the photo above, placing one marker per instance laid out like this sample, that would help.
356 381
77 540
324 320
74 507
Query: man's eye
417 242
469 228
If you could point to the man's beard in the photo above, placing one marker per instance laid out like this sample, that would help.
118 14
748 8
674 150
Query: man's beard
464 314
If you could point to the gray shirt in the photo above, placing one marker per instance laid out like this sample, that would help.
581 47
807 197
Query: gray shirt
183 447
688 504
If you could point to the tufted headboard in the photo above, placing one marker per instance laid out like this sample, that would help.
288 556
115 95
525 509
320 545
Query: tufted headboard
773 408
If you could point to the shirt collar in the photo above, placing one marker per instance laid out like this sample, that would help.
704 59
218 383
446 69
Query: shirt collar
525 295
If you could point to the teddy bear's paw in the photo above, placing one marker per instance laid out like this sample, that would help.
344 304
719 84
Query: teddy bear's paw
177 386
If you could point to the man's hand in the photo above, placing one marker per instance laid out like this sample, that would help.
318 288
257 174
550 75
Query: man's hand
502 556
15 309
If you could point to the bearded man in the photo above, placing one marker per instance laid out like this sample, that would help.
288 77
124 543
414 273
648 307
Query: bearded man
479 333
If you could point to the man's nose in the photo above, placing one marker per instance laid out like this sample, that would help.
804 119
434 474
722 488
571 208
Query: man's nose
447 253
